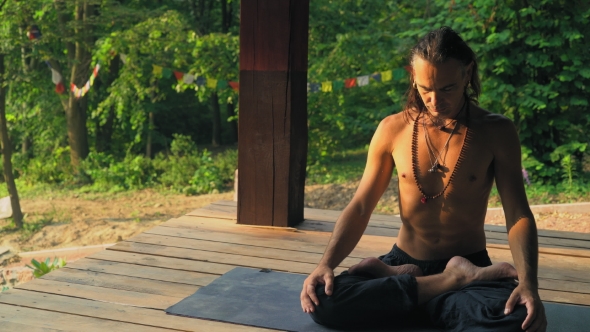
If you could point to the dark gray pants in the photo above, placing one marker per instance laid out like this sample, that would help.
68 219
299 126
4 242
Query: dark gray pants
362 301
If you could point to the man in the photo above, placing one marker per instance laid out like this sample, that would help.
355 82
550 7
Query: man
448 152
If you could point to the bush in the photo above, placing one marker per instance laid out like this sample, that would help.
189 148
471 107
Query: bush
107 174
53 169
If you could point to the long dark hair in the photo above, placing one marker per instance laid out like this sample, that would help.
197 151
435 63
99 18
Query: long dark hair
437 47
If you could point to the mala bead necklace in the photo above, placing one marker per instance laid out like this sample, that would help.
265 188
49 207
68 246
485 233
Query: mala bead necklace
426 197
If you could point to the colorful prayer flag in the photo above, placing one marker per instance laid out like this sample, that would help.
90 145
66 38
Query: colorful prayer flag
236 85
314 87
386 75
221 84
157 70
55 76
377 77
338 85
201 81
188 78
59 88
211 83
166 73
327 86
96 69
91 80
362 80
399 73
350 83
178 75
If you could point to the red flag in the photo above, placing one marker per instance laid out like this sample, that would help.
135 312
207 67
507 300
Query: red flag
350 82
235 85
178 75
60 88
72 87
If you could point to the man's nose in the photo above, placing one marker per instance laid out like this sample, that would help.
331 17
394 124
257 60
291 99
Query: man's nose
435 98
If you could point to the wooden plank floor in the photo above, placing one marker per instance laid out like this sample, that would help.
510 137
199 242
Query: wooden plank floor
128 286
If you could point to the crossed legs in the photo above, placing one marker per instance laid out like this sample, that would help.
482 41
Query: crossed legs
374 292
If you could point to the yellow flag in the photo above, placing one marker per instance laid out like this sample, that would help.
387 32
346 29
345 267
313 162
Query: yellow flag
326 86
157 70
386 76
211 83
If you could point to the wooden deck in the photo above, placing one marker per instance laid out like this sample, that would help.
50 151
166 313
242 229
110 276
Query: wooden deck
128 286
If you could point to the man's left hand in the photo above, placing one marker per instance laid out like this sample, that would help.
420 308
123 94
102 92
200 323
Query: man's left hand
535 319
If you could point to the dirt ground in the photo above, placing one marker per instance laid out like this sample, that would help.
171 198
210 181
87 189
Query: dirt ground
100 219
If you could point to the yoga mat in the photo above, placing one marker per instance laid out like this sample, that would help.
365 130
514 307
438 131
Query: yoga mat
250 297
270 299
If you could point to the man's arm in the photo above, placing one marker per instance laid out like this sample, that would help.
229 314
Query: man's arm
520 224
354 219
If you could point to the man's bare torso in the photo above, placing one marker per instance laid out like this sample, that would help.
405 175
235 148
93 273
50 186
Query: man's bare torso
451 224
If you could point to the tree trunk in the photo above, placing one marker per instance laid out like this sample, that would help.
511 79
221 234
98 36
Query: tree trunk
17 214
148 146
216 120
76 107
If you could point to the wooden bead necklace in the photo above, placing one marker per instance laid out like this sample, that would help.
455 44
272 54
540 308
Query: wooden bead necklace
425 197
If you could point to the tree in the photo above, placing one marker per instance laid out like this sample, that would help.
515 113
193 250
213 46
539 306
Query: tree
17 214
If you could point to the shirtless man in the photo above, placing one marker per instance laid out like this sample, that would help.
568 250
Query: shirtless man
448 151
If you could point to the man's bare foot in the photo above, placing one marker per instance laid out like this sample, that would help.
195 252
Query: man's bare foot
374 267
466 272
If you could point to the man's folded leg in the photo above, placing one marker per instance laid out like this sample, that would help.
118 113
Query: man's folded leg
363 301
478 306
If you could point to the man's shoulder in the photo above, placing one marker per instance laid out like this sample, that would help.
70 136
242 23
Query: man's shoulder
488 120
395 122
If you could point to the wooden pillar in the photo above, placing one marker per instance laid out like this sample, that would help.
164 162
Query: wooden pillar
272 144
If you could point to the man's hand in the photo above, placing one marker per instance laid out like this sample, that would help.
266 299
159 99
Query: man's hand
535 319
322 275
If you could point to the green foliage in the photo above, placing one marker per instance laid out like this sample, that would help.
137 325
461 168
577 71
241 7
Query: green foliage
42 268
133 172
192 172
54 168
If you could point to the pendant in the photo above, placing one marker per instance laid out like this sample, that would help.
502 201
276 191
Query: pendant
433 168
423 200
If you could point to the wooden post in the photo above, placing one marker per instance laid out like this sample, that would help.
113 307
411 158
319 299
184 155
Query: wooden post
272 131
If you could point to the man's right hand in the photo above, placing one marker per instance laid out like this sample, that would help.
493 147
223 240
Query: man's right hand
322 275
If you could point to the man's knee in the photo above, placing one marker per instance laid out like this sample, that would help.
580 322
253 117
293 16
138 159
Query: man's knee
327 312
478 306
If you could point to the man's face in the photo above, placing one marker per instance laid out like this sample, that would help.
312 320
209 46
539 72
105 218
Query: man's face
441 86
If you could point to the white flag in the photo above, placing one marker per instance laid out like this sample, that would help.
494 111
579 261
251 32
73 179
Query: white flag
55 76
362 80
123 58
188 78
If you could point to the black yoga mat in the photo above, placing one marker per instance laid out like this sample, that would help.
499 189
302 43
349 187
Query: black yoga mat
253 297
270 299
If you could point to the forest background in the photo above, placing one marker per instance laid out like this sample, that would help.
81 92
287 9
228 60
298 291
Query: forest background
138 126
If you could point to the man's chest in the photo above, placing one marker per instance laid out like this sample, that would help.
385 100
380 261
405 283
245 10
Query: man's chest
436 162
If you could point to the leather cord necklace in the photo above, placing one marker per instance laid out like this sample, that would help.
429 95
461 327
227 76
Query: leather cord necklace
426 197
432 151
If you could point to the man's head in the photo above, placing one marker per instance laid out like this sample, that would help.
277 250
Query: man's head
444 72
